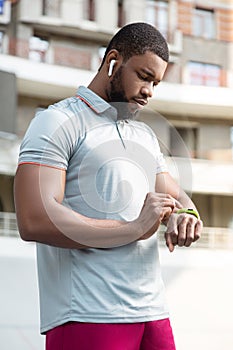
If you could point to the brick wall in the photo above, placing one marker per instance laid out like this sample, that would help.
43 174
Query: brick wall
18 47
71 57
225 24
184 12
224 20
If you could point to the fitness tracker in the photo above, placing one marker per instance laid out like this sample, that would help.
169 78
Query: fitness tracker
188 211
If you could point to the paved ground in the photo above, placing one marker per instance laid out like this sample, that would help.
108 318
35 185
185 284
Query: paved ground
19 316
200 297
199 287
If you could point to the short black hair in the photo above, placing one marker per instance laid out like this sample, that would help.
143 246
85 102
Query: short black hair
137 38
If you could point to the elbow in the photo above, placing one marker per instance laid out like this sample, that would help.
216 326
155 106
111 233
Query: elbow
26 230
26 234
30 223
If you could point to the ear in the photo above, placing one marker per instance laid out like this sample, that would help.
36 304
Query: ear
112 60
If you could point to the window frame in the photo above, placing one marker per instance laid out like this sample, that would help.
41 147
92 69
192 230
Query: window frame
45 12
158 7
206 17
205 78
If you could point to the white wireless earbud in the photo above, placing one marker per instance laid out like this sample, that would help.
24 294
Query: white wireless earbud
111 65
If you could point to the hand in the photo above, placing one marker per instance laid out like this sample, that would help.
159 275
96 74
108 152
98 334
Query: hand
157 208
182 230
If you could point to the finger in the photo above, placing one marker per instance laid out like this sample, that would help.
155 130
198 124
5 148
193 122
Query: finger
172 230
193 231
190 234
178 205
198 230
174 202
182 231
164 199
169 243
166 213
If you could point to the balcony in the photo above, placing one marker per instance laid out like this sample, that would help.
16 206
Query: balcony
43 80
202 176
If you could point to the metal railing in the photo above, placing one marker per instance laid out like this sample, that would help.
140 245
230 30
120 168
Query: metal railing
8 224
212 237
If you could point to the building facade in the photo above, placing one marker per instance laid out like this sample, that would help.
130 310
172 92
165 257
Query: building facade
47 50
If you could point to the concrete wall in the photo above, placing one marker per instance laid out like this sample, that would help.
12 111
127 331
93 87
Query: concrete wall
8 102
27 107
6 193
215 210
212 137
206 51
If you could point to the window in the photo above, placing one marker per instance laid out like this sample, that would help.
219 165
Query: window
157 15
183 141
38 48
121 14
203 74
232 140
1 41
51 8
203 24
89 10
1 7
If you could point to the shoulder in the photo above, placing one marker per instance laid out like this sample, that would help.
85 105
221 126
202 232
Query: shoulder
143 127
145 131
61 115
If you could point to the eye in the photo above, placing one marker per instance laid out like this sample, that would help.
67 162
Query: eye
147 78
142 77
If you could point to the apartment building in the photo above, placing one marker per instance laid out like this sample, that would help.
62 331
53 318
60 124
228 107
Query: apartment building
47 50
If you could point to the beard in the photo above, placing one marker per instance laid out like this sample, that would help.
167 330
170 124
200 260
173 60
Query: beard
117 98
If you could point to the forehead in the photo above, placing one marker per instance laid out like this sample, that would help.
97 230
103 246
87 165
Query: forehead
149 61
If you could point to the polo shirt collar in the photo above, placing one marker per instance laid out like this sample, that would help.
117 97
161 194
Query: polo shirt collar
95 102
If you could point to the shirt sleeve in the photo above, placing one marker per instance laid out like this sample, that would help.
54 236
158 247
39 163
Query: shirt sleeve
161 164
50 139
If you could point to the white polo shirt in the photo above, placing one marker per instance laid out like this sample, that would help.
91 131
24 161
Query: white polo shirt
110 167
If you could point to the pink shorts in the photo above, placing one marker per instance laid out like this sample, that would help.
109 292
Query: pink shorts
154 335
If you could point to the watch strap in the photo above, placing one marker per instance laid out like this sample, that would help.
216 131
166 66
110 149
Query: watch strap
188 211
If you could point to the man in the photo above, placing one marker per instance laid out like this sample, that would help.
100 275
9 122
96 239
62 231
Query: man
92 189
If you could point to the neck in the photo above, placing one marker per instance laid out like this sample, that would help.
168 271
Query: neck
97 85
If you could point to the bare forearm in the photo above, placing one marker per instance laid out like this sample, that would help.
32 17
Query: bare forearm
186 201
60 226
39 193
166 184
41 216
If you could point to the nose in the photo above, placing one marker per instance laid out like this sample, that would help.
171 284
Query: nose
147 89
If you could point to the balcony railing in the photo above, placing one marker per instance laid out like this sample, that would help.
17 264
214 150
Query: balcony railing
212 237
8 225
